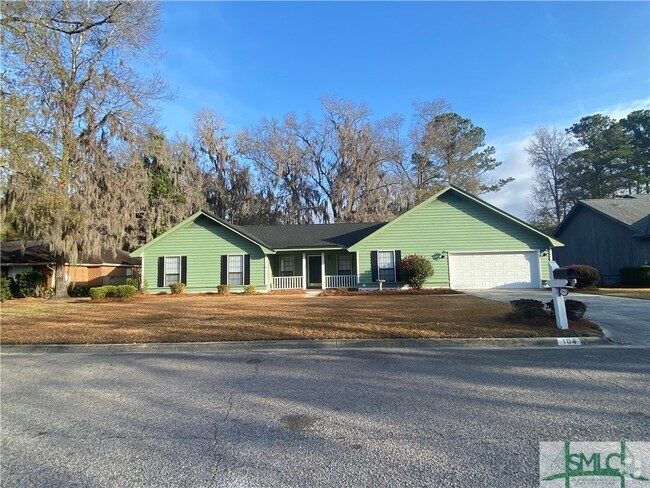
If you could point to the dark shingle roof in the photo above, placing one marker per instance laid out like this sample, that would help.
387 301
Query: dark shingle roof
310 235
35 253
633 211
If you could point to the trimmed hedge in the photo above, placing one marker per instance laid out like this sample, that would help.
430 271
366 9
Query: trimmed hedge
110 291
75 291
528 308
99 292
639 276
249 289
575 309
588 276
223 289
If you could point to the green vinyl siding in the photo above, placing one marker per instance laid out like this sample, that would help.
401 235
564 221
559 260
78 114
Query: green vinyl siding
449 223
203 241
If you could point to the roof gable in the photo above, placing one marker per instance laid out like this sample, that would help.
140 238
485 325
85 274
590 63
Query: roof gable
632 211
452 188
234 228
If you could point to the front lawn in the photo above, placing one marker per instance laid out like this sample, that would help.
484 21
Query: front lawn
193 318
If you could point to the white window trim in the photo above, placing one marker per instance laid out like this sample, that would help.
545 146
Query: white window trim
338 267
293 264
180 269
243 269
394 265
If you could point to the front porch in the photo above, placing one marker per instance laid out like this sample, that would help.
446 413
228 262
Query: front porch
313 270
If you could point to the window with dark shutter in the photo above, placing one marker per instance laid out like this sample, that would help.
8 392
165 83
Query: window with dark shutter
224 270
398 270
247 269
373 265
161 271
184 269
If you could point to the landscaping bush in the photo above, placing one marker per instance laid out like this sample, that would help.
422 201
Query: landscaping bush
29 284
177 288
639 276
125 291
79 291
575 309
527 308
99 292
588 276
249 289
5 289
415 270
223 290
134 282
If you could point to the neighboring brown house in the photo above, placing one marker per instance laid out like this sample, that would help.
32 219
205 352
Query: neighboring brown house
110 268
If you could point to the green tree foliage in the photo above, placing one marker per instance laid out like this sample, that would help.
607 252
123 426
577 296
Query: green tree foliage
637 173
456 154
598 169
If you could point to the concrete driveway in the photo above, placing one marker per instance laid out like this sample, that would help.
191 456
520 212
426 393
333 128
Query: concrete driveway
624 320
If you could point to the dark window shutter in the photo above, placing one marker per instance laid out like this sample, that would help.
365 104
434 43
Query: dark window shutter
374 266
184 269
161 271
247 269
398 269
224 270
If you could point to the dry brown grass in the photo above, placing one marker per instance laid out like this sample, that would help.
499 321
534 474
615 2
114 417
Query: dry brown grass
193 318
642 293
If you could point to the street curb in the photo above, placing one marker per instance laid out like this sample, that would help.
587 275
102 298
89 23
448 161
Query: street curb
299 344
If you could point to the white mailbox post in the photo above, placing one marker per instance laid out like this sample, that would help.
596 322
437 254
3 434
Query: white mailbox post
557 286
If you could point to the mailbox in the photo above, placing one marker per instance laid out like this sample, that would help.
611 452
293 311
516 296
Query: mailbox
568 274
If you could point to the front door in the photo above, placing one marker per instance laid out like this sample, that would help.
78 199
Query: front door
314 277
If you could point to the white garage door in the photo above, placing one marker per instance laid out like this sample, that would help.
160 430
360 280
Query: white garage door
494 270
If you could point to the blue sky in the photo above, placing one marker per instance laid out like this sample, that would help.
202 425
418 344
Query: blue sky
510 67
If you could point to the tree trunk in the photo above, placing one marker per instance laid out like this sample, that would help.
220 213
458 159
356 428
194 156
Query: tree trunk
60 284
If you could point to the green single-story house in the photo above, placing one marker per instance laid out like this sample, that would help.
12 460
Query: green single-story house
471 243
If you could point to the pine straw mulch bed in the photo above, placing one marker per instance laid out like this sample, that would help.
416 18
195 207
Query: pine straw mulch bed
210 317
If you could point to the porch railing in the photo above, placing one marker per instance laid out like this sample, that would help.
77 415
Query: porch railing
286 282
341 281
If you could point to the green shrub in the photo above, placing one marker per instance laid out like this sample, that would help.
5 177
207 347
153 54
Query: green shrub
639 276
134 282
575 309
29 284
223 290
250 289
79 290
46 293
415 270
527 308
5 289
125 291
99 292
588 276
177 288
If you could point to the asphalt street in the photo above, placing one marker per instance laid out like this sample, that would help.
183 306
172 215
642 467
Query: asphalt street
330 418
623 320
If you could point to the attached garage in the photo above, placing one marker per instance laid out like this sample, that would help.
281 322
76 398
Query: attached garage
494 270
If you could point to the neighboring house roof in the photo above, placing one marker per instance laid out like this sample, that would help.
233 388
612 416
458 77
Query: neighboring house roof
312 235
11 252
632 211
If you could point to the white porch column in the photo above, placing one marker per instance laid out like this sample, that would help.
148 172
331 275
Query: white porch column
304 271
322 270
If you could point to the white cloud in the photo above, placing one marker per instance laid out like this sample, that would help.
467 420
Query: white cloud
511 151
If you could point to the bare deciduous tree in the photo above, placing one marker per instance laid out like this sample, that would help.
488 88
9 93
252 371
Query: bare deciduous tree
547 151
